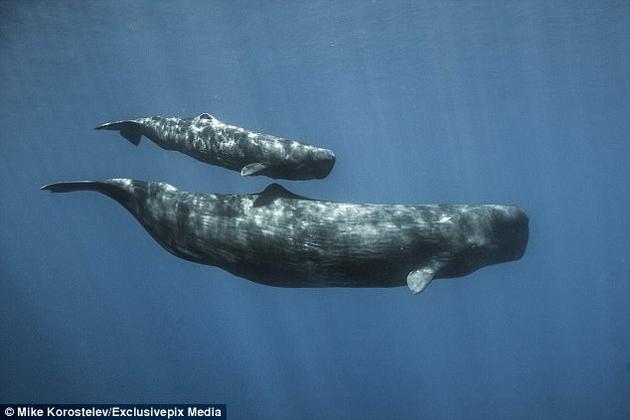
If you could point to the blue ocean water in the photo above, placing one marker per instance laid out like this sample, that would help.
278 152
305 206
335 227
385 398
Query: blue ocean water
520 102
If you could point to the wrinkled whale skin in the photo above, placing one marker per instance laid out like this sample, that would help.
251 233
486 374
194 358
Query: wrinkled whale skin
280 239
209 140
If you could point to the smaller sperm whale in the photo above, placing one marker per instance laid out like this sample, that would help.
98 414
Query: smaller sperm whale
209 140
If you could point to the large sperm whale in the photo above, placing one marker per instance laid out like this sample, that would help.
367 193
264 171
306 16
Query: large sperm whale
209 140
281 239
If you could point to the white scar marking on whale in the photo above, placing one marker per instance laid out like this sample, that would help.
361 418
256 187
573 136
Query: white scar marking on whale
124 181
278 212
216 124
168 187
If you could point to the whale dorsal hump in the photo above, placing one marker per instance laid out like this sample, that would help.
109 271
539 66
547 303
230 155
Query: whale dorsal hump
419 279
253 169
205 116
273 191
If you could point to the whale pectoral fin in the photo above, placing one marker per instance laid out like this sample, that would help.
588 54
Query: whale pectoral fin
419 279
205 116
273 191
253 169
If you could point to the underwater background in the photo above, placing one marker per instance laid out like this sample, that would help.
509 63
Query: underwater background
518 102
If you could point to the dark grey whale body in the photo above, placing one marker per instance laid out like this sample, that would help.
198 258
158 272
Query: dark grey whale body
280 239
209 140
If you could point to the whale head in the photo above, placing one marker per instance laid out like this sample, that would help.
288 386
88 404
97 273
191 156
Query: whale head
321 161
509 233
308 162
297 163
491 234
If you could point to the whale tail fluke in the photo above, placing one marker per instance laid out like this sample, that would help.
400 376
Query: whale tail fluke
63 187
131 130
118 189
111 188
